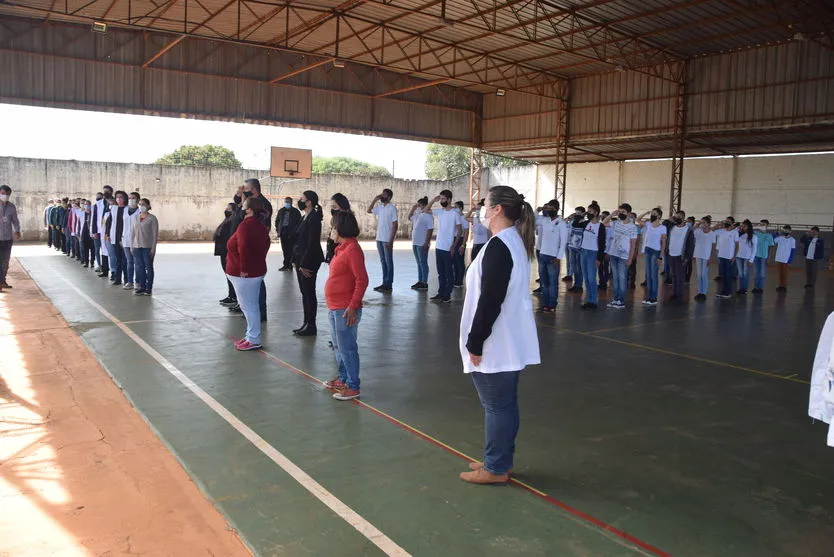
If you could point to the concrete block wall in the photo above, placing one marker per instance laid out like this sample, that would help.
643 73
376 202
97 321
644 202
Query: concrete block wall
189 201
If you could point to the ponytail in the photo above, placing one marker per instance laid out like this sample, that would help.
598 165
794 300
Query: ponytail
313 198
518 211
527 228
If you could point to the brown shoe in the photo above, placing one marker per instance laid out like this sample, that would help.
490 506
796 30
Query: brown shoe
480 465
483 477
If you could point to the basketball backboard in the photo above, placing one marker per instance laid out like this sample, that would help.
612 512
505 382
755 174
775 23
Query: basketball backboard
291 163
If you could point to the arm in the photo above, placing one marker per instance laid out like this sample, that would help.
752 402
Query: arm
356 262
307 260
411 212
601 244
15 224
428 238
662 244
373 203
632 251
498 266
431 203
394 226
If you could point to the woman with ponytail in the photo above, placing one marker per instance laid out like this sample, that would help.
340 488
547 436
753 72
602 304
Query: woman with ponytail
498 336
307 258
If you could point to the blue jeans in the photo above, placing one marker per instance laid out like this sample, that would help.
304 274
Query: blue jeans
248 292
144 268
499 398
575 256
422 256
549 274
760 270
725 271
445 274
589 271
703 275
386 258
114 261
619 276
129 266
345 347
652 256
743 266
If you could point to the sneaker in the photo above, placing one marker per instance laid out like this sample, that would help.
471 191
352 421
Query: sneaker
537 290
128 286
116 283
245 346
757 291
380 288
97 269
235 309
140 292
437 298
336 384
567 279
416 285
446 300
611 304
651 303
423 286
227 301
588 305
723 296
347 394
700 297
619 305
459 285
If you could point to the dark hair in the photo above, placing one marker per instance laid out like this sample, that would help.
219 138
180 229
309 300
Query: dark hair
341 201
255 183
659 211
120 192
65 200
345 224
626 206
815 228
581 209
749 229
518 211
554 203
595 206
5 188
256 204
136 193
459 204
765 221
787 227
288 198
423 201
147 202
731 219
389 193
447 194
313 198
108 187
681 211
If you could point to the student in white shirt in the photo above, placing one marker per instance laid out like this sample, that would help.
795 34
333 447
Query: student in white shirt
130 217
447 229
554 242
676 254
422 226
480 234
704 240
785 249
459 248
747 245
621 249
541 220
726 239
654 243
498 336
814 253
386 232
593 251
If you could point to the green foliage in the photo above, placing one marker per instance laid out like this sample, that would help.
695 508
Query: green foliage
444 162
207 155
346 165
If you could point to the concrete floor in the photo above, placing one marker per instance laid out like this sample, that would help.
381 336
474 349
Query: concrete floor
675 430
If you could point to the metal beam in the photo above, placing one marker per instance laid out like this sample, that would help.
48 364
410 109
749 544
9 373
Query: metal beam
476 170
678 140
412 87
563 134
301 70
162 51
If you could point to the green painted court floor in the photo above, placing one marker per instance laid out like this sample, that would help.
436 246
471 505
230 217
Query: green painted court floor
676 430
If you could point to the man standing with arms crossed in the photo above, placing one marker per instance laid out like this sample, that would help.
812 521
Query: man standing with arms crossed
386 231
9 232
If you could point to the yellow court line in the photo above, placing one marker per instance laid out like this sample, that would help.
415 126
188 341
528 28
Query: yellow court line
791 378
646 324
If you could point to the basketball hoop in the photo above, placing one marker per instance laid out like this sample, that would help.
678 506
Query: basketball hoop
291 167
287 162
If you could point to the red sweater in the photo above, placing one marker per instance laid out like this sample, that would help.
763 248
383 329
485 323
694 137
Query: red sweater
348 278
247 249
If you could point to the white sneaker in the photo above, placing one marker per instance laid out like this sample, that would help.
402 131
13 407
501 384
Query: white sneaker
611 304
128 286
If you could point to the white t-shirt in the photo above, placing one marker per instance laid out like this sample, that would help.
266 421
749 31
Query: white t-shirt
480 233
446 228
386 217
652 235
554 238
677 237
590 238
725 241
812 249
620 233
703 243
747 247
464 224
541 220
784 246
421 224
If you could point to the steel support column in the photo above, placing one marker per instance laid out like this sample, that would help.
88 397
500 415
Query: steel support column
476 169
563 133
679 139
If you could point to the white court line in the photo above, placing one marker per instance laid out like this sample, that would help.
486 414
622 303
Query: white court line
371 532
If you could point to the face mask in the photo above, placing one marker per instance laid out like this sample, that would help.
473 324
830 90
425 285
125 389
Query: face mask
143 208
133 203
98 198
247 194
87 207
287 205
4 197
591 216
384 199
227 213
654 218
457 210
547 213
677 221
786 233
444 204
622 216
108 195
302 204
333 212
483 217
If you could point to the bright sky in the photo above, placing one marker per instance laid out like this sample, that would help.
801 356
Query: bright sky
99 136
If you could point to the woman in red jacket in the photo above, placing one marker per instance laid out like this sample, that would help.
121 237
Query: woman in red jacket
343 291
246 266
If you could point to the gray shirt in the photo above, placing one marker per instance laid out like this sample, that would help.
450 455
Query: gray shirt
8 221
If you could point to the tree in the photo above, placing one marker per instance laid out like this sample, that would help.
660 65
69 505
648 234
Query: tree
444 162
347 165
207 155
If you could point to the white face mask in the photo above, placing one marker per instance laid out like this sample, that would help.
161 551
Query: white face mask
4 197
87 207
143 209
132 203
483 217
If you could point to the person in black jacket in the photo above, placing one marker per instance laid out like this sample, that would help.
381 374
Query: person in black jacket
307 258
221 237
286 224
814 253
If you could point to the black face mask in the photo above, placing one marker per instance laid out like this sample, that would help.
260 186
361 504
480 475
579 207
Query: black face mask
677 221
302 204
227 213
590 216
333 212
654 218
622 216
247 194
444 204
547 213
108 195
385 199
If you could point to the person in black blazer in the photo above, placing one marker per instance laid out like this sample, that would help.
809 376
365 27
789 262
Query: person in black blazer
286 225
307 258
221 238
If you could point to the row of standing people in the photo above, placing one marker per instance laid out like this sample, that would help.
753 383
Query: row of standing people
116 235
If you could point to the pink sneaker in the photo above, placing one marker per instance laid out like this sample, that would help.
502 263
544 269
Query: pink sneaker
245 346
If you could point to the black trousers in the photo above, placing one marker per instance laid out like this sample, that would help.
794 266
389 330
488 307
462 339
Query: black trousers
231 294
49 237
5 257
308 298
287 245
87 250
